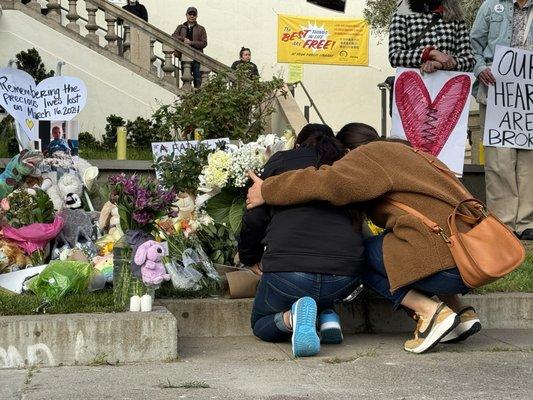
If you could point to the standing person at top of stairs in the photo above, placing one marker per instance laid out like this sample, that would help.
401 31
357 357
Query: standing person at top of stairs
194 35
136 8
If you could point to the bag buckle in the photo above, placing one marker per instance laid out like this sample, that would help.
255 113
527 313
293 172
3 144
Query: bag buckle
444 236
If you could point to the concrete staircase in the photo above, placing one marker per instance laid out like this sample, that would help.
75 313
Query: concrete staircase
128 65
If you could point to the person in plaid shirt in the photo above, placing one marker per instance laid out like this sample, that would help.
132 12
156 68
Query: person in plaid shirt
430 35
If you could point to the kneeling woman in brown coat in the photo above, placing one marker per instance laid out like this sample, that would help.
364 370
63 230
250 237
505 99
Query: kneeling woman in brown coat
407 264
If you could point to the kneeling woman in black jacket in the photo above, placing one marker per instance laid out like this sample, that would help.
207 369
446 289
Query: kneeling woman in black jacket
311 254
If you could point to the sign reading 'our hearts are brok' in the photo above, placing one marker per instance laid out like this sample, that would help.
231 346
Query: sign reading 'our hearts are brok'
59 98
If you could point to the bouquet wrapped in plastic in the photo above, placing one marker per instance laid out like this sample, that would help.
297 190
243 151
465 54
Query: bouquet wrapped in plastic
60 278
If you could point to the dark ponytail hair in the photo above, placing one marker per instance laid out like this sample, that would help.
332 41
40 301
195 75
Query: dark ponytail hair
243 49
321 138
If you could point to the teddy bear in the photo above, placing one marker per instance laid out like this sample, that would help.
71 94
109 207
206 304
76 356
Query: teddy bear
109 217
149 256
12 256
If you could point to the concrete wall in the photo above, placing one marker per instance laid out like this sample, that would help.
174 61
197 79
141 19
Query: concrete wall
112 89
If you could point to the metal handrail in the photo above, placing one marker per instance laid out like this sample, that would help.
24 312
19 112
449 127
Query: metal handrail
312 104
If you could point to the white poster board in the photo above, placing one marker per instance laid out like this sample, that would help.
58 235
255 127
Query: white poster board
431 111
165 148
509 120
59 98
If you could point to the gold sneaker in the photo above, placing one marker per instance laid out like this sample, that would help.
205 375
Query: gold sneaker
468 325
429 332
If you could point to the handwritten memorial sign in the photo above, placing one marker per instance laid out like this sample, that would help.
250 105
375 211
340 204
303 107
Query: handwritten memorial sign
59 98
176 148
431 111
509 121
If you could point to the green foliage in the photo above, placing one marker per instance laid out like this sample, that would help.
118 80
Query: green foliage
181 173
227 208
31 62
520 280
25 208
87 140
219 243
236 110
110 137
378 13
8 138
101 301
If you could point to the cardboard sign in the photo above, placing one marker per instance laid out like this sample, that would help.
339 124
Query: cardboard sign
431 112
509 120
59 98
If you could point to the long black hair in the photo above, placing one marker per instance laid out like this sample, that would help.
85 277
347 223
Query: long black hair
321 138
355 134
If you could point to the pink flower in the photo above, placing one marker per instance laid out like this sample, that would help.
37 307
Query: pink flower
4 204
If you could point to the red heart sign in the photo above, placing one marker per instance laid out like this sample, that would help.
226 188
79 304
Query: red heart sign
428 125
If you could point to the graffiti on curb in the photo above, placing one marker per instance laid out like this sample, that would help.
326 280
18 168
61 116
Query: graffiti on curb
36 354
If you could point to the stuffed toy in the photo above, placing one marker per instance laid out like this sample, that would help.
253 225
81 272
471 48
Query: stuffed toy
11 255
149 256
17 169
52 190
68 184
109 217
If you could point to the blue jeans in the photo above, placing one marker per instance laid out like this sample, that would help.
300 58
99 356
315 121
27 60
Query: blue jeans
448 282
196 74
278 291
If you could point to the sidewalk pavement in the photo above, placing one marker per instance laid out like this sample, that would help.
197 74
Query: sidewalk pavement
495 364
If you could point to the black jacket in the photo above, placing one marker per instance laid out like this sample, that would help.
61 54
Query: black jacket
313 237
250 66
137 9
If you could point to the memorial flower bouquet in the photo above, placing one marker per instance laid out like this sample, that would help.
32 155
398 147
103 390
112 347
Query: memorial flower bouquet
140 201
29 220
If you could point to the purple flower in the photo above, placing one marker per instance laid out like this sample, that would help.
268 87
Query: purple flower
143 217
143 198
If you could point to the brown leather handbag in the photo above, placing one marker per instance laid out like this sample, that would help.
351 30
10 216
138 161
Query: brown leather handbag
483 247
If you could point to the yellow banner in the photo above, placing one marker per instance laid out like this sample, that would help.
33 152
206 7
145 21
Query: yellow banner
311 40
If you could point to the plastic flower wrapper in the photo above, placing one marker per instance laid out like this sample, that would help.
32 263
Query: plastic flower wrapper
270 144
61 278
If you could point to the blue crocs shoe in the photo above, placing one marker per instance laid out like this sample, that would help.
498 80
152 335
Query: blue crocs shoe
305 341
329 325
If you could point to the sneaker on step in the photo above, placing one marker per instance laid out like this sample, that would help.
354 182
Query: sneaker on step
305 341
430 331
329 325
468 325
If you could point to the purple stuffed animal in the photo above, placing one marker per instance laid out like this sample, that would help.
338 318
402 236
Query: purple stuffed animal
148 256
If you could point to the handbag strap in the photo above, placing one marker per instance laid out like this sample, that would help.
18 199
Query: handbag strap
434 21
449 174
432 225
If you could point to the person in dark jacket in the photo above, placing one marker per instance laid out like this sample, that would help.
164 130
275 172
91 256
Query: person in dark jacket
136 8
192 34
310 254
244 61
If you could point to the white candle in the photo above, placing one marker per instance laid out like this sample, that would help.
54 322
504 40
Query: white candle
135 303
146 303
